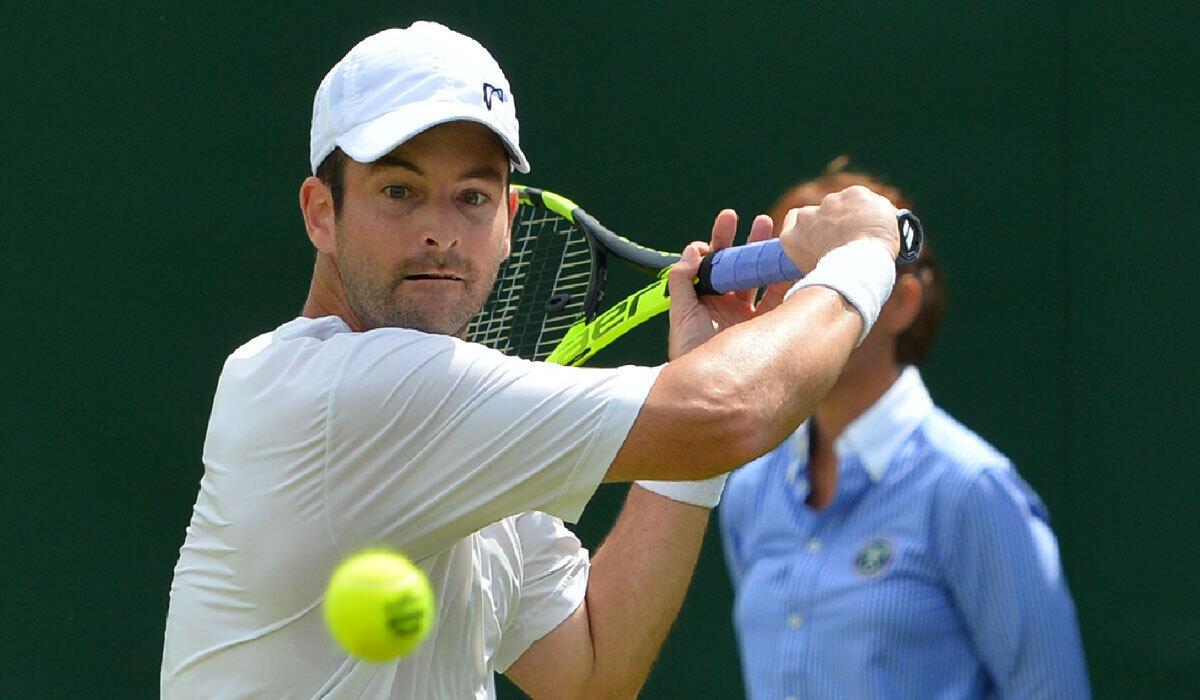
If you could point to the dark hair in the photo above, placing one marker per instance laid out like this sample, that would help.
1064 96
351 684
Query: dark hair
914 344
332 171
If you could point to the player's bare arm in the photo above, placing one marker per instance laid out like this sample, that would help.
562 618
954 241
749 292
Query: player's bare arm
636 586
739 394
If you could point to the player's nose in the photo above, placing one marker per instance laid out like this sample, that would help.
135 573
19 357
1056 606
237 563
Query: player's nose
441 240
438 229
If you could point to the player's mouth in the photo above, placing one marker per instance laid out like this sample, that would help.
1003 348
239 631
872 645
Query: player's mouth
433 277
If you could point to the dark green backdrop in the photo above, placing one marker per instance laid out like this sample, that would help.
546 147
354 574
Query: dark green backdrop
152 157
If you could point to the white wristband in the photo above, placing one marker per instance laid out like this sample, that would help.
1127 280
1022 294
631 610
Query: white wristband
862 271
706 493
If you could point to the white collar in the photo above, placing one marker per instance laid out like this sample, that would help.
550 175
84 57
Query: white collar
876 434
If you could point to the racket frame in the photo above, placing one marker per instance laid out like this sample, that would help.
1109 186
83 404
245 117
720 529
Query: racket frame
596 330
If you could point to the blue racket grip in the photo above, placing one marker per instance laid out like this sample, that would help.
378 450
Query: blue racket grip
763 263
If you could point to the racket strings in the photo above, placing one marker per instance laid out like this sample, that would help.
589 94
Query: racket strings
540 289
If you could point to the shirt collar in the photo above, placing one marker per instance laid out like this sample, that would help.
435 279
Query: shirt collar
875 435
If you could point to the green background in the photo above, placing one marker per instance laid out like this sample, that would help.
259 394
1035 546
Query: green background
152 155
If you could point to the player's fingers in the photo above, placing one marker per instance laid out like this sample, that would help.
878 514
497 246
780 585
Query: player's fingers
760 230
797 240
679 279
723 230
798 218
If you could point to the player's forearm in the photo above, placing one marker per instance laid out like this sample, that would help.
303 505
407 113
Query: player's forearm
742 393
782 365
636 586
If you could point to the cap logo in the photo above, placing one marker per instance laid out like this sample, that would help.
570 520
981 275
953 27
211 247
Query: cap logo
491 91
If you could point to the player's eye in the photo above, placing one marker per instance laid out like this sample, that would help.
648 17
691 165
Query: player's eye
475 198
397 191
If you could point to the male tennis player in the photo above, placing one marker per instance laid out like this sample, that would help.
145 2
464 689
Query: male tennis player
887 551
366 421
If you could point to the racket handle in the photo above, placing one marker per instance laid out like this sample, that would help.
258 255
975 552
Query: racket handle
764 262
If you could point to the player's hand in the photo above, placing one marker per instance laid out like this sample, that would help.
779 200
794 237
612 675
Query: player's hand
853 214
696 319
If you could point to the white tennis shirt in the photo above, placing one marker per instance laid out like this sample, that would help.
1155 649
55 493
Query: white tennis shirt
322 442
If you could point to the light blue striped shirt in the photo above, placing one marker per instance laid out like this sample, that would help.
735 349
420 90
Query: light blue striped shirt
932 574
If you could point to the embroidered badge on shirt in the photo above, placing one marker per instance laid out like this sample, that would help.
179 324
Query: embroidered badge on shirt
873 559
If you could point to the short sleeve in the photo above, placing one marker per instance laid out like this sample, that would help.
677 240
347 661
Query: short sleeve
553 584
431 438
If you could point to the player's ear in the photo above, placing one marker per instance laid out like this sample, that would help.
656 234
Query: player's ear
316 205
903 306
514 200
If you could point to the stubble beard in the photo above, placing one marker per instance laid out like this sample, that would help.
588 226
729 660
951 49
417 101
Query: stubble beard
384 304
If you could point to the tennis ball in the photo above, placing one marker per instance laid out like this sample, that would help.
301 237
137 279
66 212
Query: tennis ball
378 605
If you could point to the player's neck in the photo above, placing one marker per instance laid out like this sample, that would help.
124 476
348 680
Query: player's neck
325 294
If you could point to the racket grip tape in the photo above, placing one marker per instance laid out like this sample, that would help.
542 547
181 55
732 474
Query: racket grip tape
764 262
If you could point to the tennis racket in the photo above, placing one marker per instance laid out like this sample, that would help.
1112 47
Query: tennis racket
546 302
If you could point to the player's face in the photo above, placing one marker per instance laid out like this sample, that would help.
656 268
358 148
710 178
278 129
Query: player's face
423 230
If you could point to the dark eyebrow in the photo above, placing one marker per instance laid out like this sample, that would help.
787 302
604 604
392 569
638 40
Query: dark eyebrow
483 172
391 160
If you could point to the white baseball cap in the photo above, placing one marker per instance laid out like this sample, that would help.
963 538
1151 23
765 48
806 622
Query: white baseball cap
395 84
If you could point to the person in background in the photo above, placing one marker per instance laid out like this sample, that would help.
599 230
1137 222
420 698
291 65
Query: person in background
884 549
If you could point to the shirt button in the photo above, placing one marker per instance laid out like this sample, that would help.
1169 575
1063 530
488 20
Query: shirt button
814 545
794 620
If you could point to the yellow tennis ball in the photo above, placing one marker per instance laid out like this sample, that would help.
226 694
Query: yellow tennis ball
378 605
